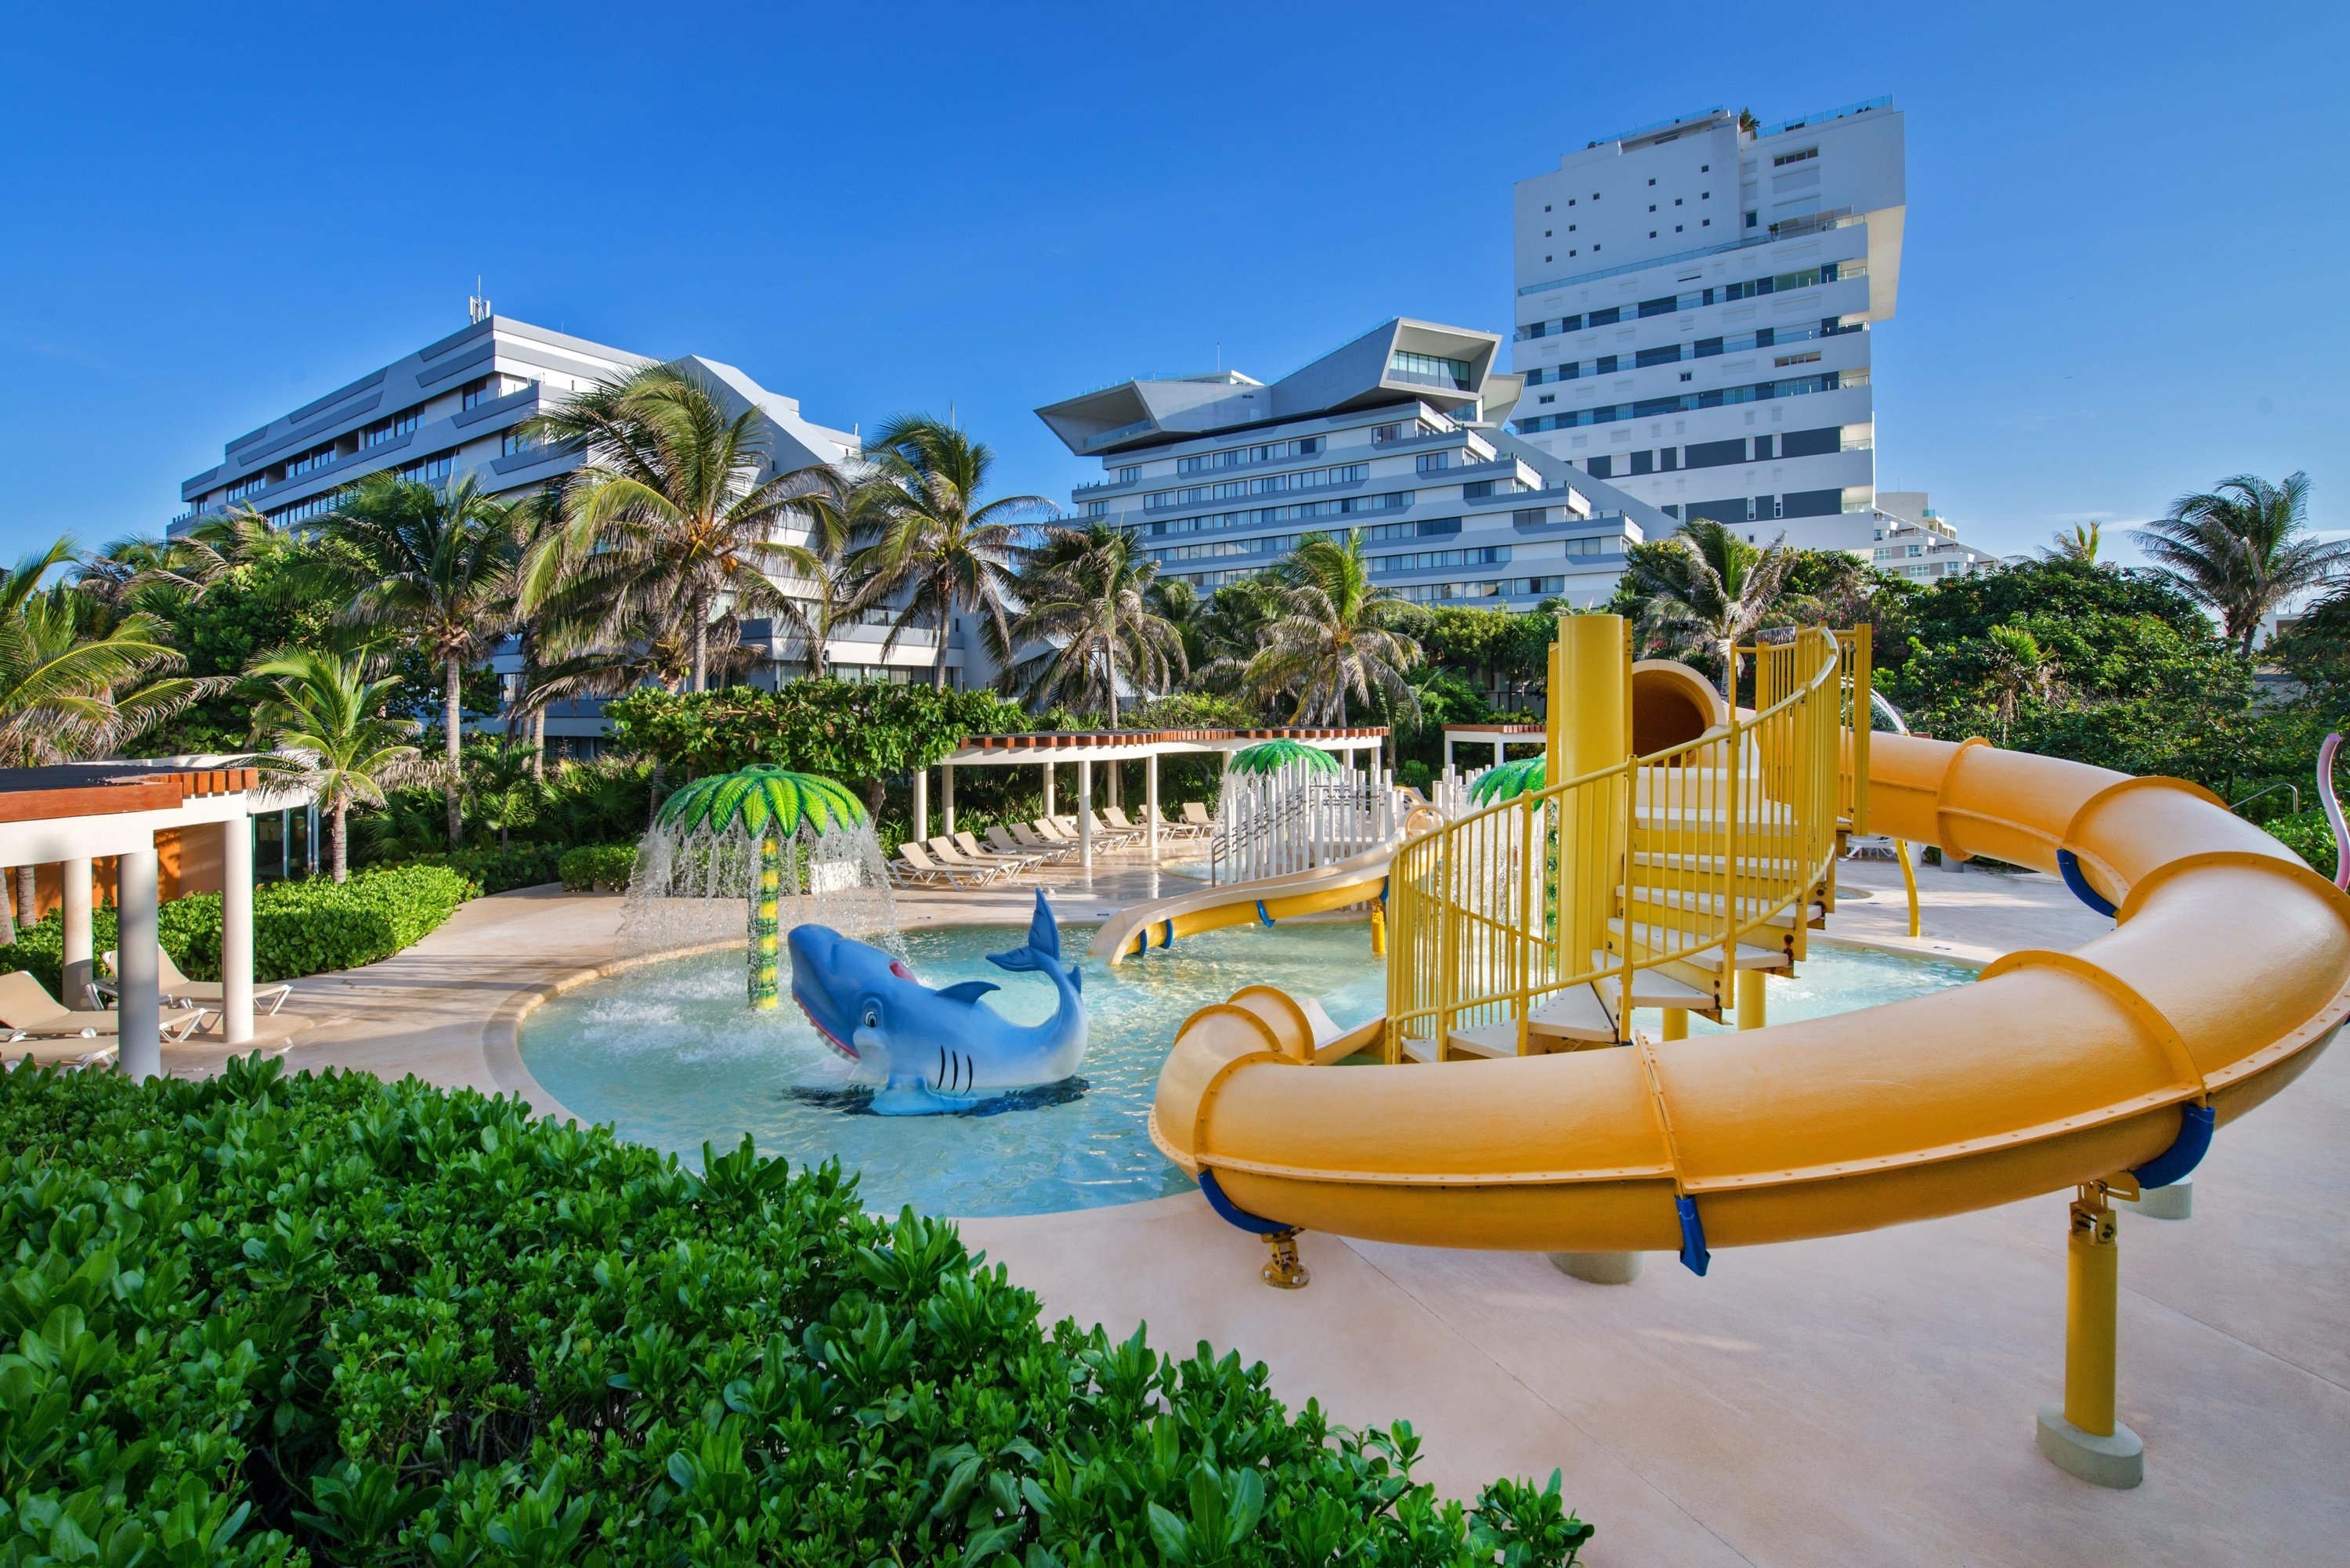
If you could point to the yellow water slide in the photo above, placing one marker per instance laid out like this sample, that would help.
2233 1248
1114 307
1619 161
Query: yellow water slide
1267 900
2228 970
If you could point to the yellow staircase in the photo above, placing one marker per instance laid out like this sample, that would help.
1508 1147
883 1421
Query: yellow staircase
1678 879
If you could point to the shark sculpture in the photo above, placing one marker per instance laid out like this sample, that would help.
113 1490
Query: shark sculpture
944 1049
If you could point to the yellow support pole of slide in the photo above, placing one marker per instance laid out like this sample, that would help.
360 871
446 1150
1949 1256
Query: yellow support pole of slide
2083 1436
1676 1023
2092 1299
1752 1005
1590 723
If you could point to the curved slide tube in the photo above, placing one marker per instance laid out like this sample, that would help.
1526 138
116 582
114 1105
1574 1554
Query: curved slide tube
1357 879
2228 972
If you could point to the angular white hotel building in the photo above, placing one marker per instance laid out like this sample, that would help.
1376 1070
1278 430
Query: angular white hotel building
457 407
1694 306
1400 434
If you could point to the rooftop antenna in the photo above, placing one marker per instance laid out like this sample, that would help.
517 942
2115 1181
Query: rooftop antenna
477 309
1219 356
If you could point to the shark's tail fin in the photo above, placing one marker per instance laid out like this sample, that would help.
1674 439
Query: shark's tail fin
1042 949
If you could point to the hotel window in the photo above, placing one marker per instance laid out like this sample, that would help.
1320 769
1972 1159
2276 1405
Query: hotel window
392 428
1429 370
491 387
312 461
247 486
1786 157
518 441
433 470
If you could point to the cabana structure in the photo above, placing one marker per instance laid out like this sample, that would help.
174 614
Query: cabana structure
1499 736
1353 747
69 820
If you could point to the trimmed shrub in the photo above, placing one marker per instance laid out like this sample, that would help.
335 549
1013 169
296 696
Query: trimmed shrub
254 1316
313 926
593 866
496 871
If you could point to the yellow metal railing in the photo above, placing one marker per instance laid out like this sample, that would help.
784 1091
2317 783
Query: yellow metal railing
1645 863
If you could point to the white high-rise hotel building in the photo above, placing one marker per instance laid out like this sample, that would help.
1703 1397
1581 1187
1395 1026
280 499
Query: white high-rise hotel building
1694 303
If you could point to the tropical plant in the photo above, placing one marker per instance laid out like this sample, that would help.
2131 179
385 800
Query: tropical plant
438 574
1087 603
667 525
326 722
1705 587
2241 550
502 778
1336 636
939 551
2078 542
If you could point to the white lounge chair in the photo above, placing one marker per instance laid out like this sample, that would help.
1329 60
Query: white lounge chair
208 994
1107 836
1018 859
1041 836
946 852
1195 815
918 860
1007 840
28 1012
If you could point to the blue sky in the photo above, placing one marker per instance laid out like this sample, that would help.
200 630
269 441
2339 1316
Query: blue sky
2125 272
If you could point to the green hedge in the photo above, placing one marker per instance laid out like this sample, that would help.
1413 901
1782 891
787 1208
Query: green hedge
298 928
593 866
495 870
254 1318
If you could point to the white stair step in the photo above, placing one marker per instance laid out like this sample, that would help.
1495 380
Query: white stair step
1419 1050
1708 903
1487 1040
1662 940
1578 1013
1684 860
1651 988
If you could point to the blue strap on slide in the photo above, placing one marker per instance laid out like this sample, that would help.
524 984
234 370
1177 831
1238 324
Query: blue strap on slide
1261 915
2186 1151
1232 1214
1168 939
1694 1257
2069 865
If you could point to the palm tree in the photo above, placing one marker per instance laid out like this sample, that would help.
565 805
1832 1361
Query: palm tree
2018 669
2240 550
1087 599
1334 635
834 585
2078 542
502 777
669 512
78 677
440 567
68 692
326 722
939 546
1707 586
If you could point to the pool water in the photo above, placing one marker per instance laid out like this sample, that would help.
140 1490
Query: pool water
669 1055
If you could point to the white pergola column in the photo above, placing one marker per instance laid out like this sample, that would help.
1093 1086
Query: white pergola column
1049 771
946 797
80 967
140 1029
1447 753
921 805
1085 814
1150 800
236 930
1499 747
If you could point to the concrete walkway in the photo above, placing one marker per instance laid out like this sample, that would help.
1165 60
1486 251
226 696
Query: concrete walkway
1865 1400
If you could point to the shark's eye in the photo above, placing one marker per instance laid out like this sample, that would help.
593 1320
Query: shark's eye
872 1018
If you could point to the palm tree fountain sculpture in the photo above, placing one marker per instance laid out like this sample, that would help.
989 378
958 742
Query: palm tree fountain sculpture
770 838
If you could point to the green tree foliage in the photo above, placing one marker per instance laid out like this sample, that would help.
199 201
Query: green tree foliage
859 734
256 1318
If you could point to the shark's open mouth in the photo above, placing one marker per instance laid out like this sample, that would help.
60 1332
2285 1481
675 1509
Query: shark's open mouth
835 1041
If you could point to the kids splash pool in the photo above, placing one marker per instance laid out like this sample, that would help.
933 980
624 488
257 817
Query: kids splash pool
667 1052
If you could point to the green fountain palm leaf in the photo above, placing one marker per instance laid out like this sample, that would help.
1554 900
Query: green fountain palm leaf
1267 756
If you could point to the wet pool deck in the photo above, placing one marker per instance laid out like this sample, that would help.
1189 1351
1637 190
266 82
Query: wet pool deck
1864 1400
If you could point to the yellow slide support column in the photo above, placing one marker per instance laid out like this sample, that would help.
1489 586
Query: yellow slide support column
1753 1006
2081 1436
1676 1023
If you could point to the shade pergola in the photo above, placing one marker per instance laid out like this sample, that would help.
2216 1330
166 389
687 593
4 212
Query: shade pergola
1049 751
73 815
1501 737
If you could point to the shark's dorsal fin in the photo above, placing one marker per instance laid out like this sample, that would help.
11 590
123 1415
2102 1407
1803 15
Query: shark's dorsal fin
968 990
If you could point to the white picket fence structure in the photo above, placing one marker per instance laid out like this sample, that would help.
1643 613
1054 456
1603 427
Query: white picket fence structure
1296 817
